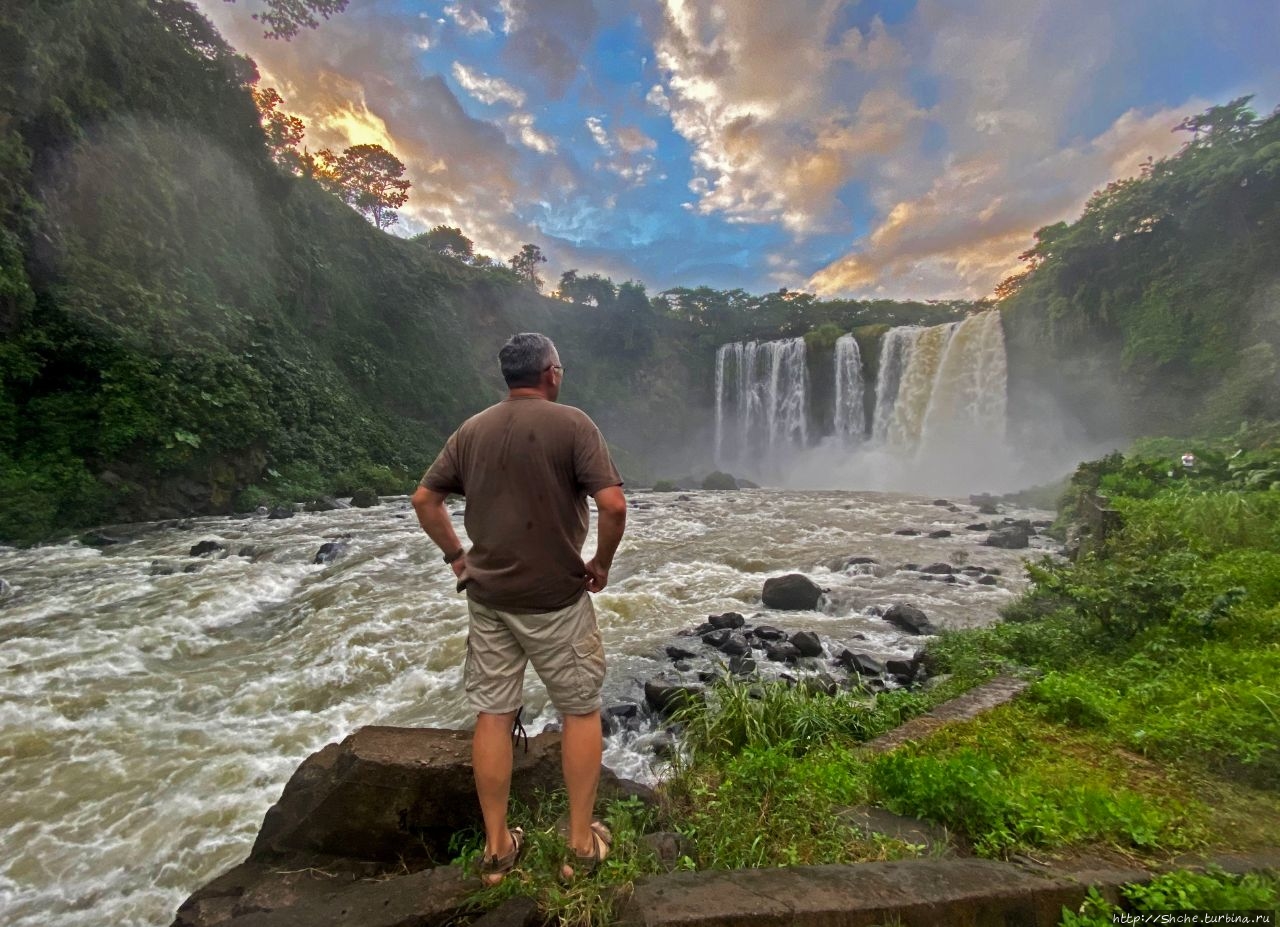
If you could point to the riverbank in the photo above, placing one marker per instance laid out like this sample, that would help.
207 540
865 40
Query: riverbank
1150 727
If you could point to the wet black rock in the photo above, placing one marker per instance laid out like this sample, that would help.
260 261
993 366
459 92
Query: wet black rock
1014 537
807 643
942 502
910 566
909 618
907 532
364 499
900 667
978 526
716 639
665 697
861 663
280 512
940 533
194 567
162 569
767 632
735 646
248 551
682 666
988 509
742 666
727 620
325 504
783 652
660 743
938 568
626 711
330 551
679 653
793 591
986 580
207 549
99 539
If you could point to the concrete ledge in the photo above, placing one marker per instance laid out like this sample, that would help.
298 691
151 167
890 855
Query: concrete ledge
913 893
907 893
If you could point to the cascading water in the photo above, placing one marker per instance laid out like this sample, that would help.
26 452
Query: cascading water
940 395
850 414
763 388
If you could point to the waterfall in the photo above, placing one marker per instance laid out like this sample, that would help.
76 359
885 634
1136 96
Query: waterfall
894 351
763 387
923 361
940 395
850 412
969 395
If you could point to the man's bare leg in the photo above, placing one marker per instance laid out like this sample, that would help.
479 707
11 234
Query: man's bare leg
491 757
581 748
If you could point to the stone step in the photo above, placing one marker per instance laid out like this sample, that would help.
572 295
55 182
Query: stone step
978 700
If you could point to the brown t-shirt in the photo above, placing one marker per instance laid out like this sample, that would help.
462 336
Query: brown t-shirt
526 466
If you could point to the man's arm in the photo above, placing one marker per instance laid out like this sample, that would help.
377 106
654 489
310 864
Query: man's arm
612 506
435 520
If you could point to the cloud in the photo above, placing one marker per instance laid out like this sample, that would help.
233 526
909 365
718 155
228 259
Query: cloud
783 106
485 88
548 39
628 150
468 19
962 235
522 126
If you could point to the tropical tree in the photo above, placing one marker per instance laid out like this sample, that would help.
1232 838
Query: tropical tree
525 264
450 241
284 132
368 178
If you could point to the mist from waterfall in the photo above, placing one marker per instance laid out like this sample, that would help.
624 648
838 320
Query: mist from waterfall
934 420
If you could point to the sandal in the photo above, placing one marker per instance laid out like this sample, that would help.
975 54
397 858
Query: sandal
581 864
493 869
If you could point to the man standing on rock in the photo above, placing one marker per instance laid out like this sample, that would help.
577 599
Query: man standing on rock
526 467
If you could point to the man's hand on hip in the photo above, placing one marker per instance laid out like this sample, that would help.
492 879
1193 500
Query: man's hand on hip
597 576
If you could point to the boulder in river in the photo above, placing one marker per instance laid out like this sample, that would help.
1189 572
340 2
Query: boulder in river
665 697
793 591
940 533
364 499
861 663
280 512
767 632
1014 537
727 620
326 504
938 568
735 646
907 532
807 643
330 551
909 618
679 653
207 549
783 652
716 638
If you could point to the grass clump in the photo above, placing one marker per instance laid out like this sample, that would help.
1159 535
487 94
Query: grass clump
1181 890
589 901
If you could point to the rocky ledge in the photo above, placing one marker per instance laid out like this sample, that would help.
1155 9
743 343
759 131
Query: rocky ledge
361 833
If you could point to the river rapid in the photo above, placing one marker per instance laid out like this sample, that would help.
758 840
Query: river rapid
150 716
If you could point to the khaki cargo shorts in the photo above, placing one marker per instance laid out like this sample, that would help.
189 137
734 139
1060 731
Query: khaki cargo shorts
564 647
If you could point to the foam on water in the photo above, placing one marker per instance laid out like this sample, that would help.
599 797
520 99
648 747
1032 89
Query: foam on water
150 720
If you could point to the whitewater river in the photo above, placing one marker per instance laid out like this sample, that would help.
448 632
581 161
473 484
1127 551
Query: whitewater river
150 716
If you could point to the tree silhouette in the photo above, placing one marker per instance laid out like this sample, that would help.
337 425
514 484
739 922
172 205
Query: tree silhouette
286 18
368 178
525 264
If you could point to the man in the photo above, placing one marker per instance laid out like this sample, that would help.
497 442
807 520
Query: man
526 466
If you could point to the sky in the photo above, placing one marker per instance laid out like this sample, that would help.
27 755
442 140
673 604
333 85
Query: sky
904 149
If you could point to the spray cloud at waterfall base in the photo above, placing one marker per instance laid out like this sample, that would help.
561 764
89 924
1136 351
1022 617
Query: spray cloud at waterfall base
912 409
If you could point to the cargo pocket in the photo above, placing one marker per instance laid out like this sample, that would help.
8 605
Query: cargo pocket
588 653
470 678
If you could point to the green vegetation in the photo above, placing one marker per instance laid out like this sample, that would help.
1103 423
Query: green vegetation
1158 310
1183 890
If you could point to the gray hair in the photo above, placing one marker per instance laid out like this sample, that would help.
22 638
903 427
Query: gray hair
524 357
